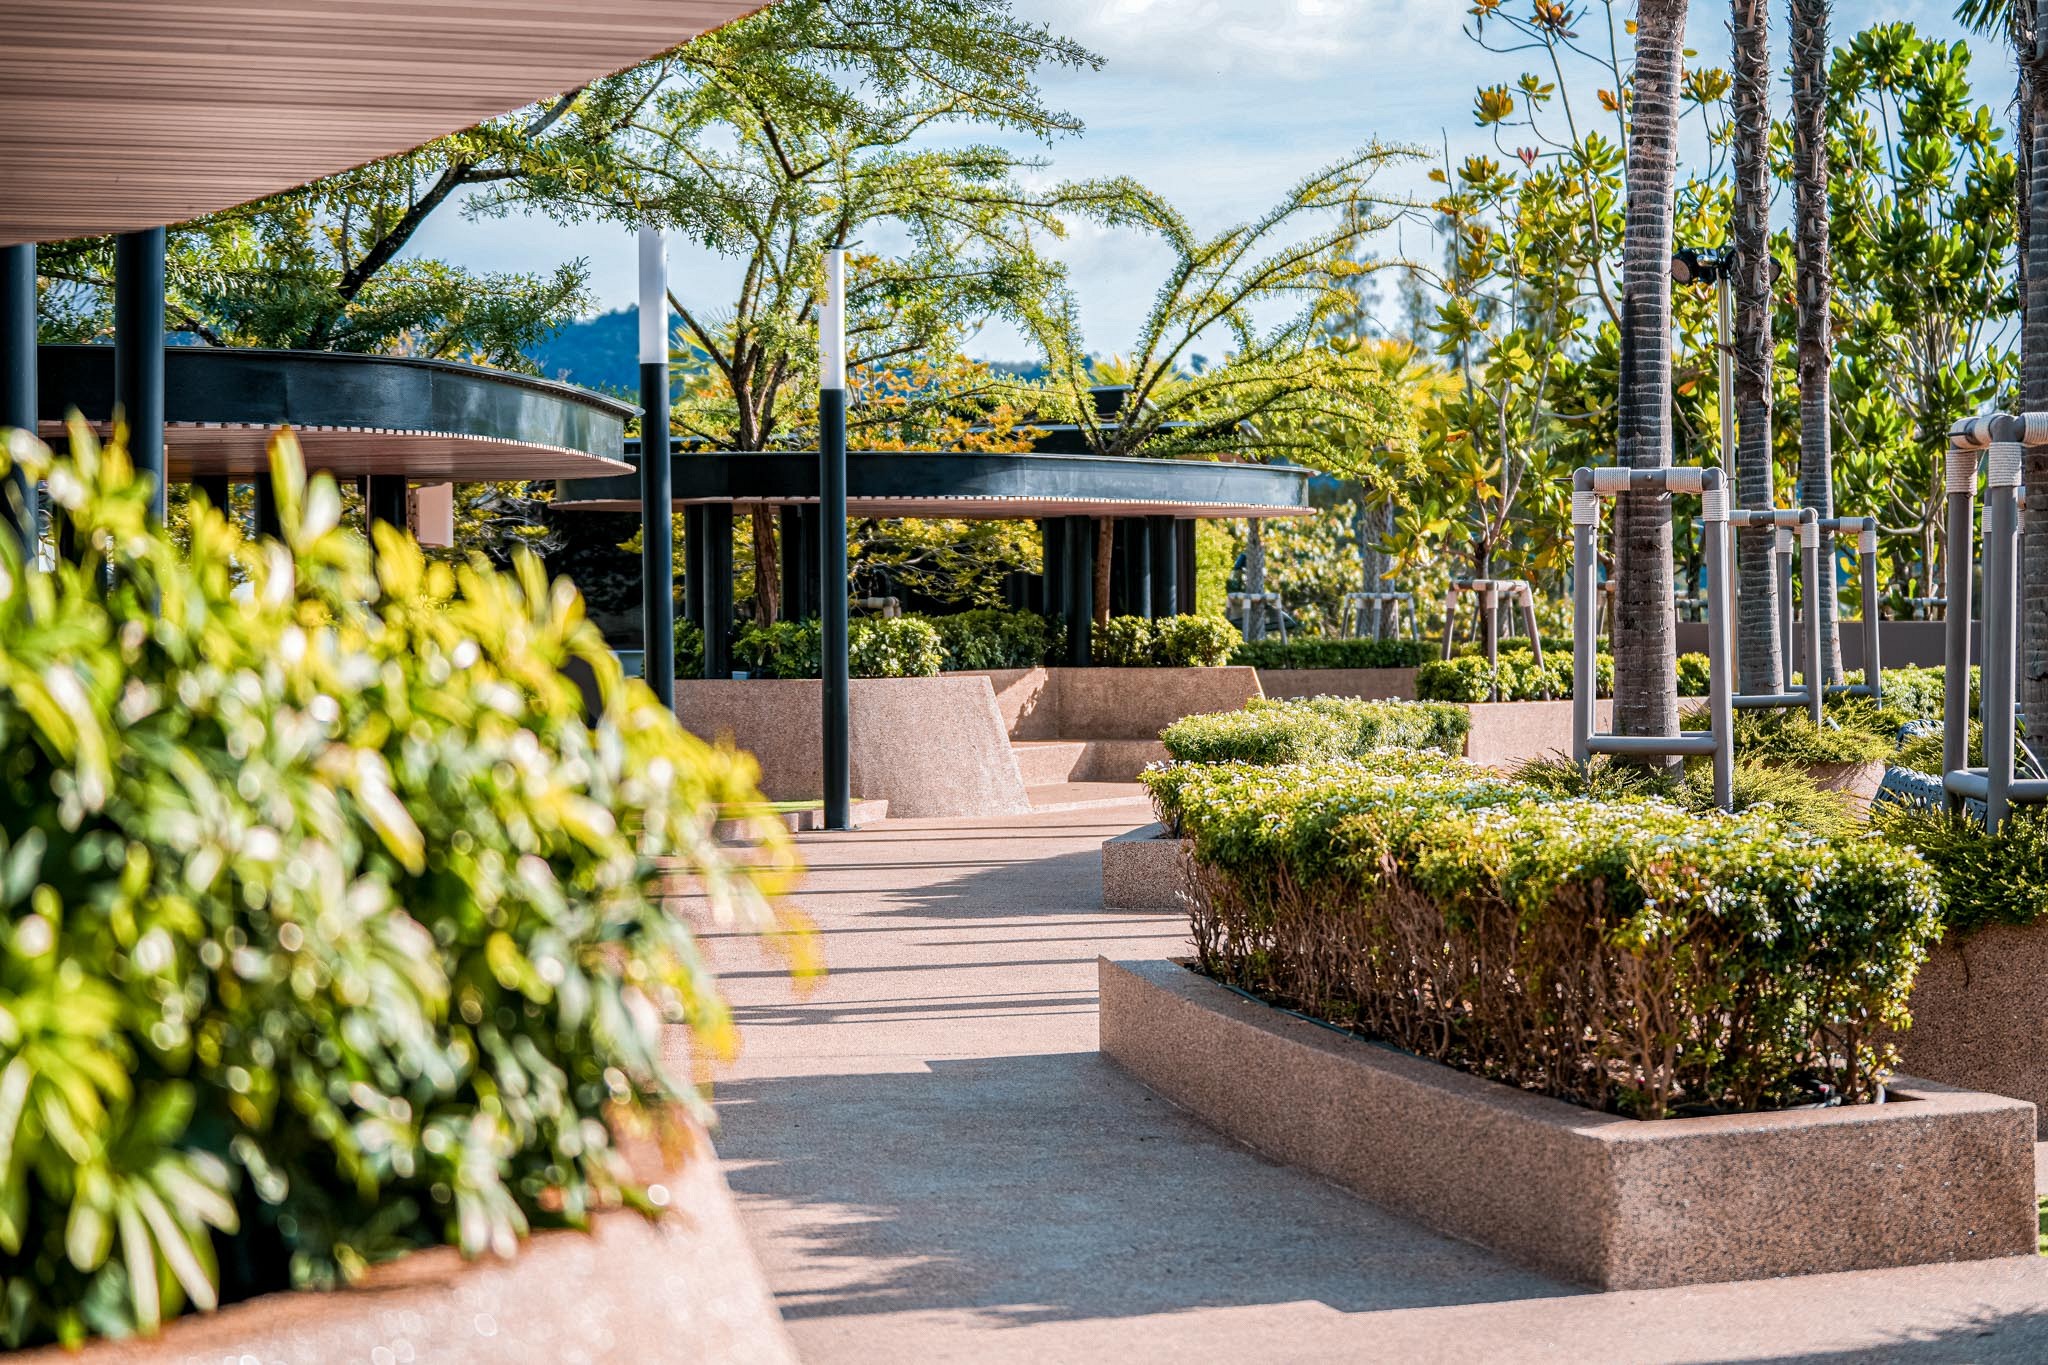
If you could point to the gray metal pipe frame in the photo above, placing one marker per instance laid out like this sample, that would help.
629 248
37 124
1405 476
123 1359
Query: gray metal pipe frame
1487 591
1589 486
2003 439
1865 528
1806 521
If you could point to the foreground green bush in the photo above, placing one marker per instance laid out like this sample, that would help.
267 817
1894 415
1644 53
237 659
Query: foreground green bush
1333 653
1786 794
1626 955
332 924
1268 731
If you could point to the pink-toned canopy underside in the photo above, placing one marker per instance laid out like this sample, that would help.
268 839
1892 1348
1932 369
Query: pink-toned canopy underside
125 114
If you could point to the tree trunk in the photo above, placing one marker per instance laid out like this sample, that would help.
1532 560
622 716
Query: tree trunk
2033 683
1760 652
1645 657
1816 341
767 566
1105 544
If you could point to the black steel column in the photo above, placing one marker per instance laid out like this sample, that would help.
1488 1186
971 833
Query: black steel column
1138 566
1184 567
1165 591
218 490
694 571
385 499
797 524
837 687
1052 540
1080 589
657 534
715 565
18 382
139 351
267 521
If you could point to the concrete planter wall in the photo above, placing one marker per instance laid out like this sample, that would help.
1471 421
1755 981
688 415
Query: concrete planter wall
927 746
1113 714
684 1288
1508 733
1373 684
1941 1175
1857 781
1145 870
1980 1013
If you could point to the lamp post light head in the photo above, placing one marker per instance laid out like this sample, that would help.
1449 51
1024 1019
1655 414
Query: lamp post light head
1700 265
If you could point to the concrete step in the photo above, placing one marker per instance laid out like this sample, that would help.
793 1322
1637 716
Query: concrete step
1044 761
1054 796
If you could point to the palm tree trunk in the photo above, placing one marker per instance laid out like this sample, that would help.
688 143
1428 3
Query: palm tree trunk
2033 686
1816 287
767 566
1105 544
1645 656
1760 652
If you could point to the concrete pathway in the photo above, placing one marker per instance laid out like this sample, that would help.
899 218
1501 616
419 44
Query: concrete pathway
936 1165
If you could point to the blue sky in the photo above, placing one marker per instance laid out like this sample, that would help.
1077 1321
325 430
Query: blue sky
1220 105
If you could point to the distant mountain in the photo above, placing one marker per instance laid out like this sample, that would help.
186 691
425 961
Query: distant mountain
599 353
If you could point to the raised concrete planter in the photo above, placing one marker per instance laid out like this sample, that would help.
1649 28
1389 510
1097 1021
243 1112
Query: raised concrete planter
1508 733
1373 684
1145 870
927 746
1940 1175
1980 1013
1116 713
684 1288
1857 781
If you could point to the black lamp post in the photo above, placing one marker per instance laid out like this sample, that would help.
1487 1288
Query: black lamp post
834 674
657 542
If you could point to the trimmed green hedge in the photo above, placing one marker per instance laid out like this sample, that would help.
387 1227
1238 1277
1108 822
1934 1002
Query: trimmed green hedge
876 647
1334 653
992 638
1625 955
1168 642
1268 731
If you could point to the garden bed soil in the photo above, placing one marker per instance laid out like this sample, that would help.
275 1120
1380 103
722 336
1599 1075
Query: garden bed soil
1980 1013
1939 1174
684 1287
1857 781
1145 870
926 746
1372 684
1506 734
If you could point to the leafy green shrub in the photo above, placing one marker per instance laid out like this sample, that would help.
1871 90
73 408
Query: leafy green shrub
1268 731
1786 794
1626 955
689 650
894 647
1695 675
786 649
876 647
1124 642
332 923
1465 679
1333 653
991 638
1984 878
1852 733
1194 641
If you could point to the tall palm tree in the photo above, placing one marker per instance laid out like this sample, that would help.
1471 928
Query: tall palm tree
1645 633
1809 39
1761 654
2018 22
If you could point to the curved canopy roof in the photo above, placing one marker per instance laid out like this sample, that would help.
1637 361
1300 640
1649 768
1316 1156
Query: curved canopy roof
428 420
967 485
126 114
